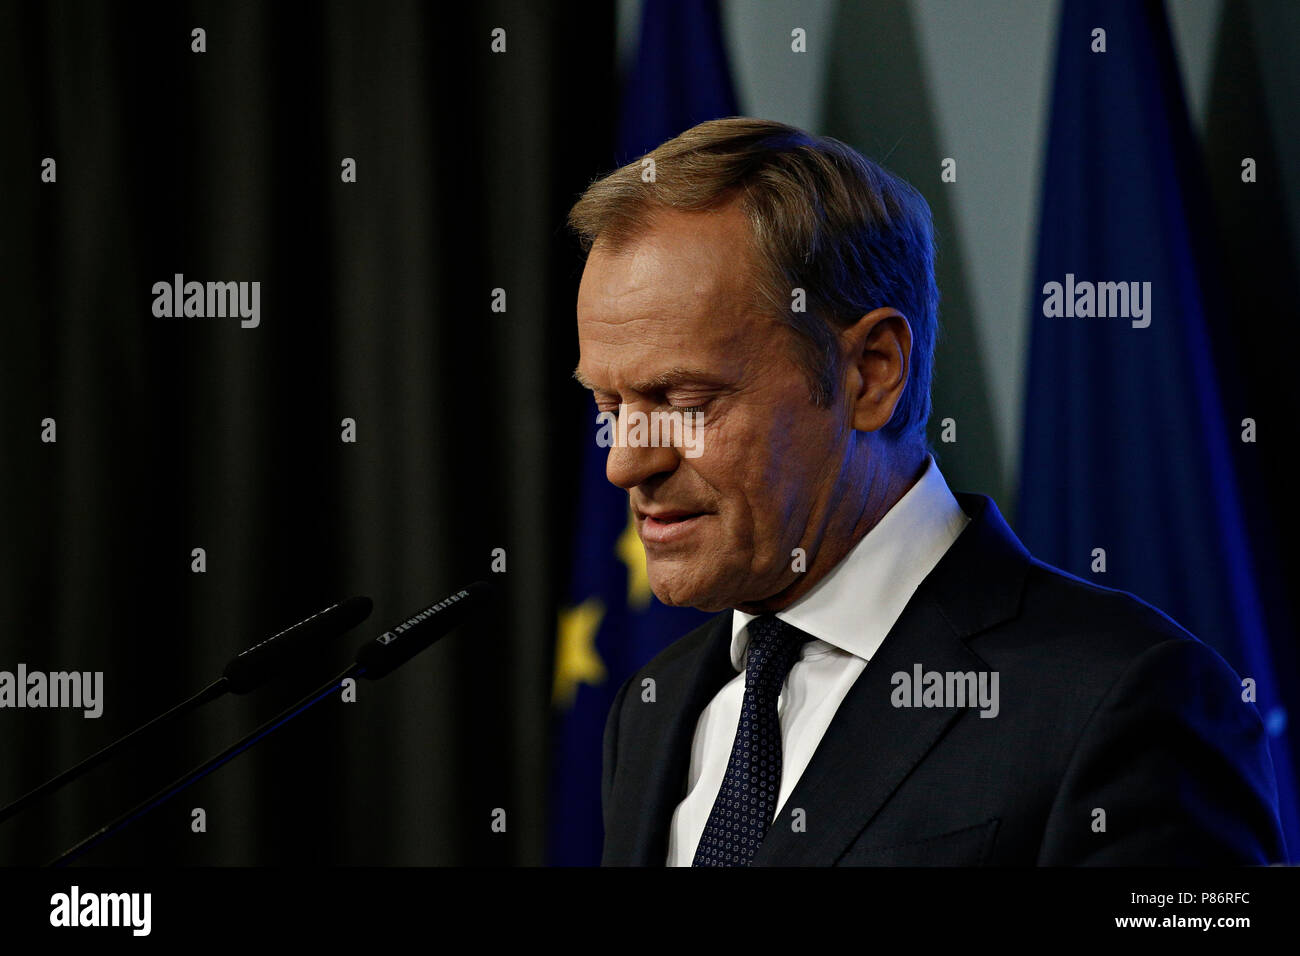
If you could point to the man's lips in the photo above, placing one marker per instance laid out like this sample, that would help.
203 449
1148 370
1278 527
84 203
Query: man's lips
673 514
667 525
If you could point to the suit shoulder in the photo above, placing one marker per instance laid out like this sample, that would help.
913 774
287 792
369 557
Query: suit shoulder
1092 632
1050 591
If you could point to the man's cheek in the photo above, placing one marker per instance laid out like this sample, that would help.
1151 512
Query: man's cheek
772 535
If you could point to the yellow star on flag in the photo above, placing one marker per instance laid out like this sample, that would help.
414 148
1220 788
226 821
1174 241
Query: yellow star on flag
576 659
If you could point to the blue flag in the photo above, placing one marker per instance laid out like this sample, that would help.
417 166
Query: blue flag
613 624
1127 476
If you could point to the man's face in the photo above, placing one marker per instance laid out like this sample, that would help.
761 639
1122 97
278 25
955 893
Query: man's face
671 321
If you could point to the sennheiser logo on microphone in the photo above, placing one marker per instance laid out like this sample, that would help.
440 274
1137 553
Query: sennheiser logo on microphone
57 689
389 636
424 615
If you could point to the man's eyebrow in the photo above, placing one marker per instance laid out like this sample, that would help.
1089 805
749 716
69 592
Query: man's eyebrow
670 377
665 379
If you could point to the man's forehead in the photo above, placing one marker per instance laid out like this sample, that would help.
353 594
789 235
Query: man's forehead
670 305
683 255
656 344
663 352
653 276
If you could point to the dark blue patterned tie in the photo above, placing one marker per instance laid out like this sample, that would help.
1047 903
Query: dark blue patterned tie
747 798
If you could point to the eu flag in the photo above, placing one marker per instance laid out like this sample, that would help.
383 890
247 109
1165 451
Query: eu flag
613 624
1127 475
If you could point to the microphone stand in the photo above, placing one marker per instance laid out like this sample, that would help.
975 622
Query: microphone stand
198 773
214 690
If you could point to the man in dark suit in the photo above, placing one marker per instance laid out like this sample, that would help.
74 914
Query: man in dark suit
893 679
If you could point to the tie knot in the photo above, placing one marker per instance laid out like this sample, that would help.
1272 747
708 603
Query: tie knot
774 646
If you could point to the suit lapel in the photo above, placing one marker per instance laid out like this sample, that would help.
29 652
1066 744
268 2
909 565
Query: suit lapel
871 746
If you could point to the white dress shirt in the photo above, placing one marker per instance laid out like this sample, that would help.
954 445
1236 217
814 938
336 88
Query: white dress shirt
848 614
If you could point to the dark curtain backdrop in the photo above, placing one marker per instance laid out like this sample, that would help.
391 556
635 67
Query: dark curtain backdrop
174 434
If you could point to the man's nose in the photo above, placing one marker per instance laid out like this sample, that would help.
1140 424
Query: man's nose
628 466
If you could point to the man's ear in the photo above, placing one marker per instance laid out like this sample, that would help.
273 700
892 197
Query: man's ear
878 359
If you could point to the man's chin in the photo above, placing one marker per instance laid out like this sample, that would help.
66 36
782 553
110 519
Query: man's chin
681 590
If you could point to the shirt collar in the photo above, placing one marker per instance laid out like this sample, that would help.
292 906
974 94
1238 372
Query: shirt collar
857 603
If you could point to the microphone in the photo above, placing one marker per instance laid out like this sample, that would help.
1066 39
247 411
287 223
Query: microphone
252 668
245 672
374 659
394 648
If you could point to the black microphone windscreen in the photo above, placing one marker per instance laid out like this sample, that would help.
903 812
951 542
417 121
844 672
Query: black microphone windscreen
255 666
394 648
